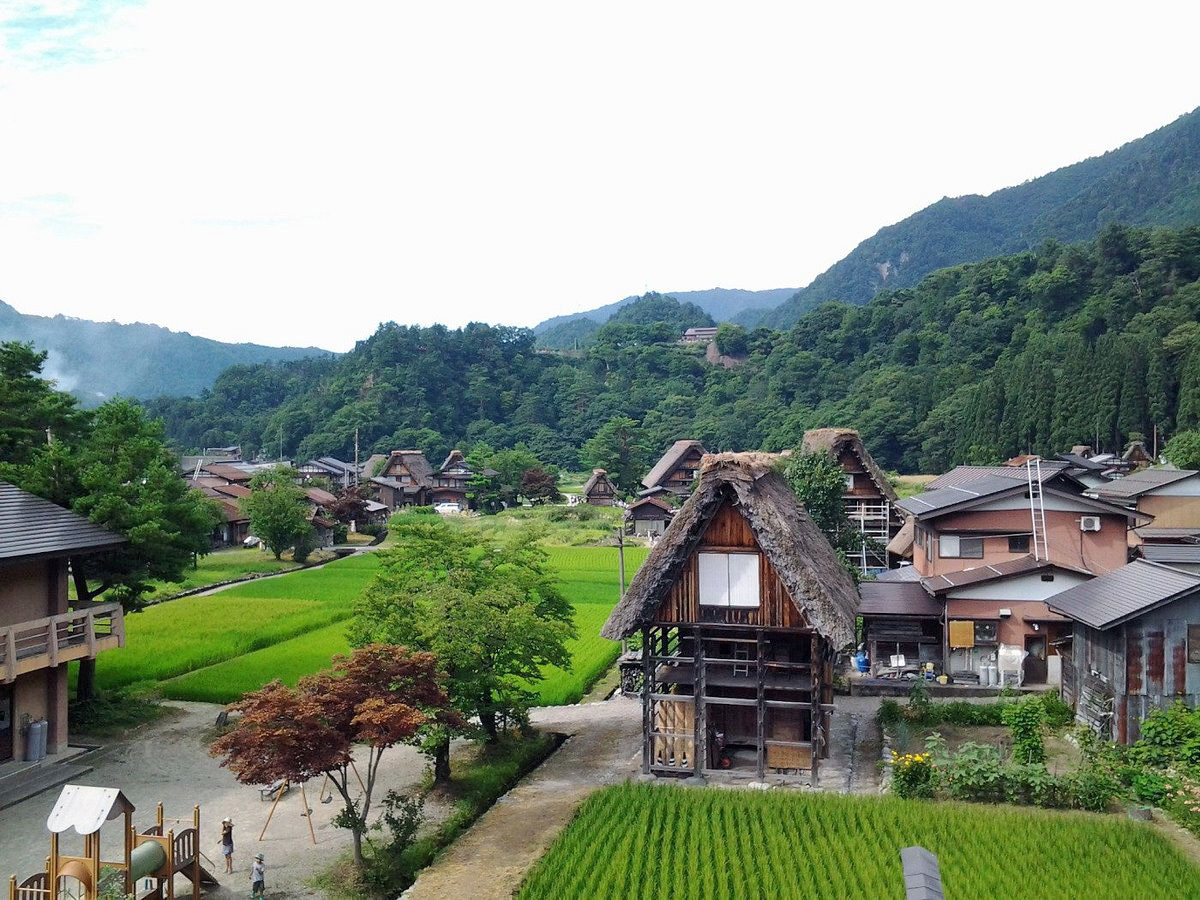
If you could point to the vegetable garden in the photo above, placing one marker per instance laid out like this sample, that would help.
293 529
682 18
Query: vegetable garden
653 841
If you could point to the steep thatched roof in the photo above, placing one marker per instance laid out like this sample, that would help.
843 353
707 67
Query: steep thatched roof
415 461
800 553
834 440
599 476
670 461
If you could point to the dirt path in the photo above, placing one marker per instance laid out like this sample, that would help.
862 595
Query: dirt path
491 860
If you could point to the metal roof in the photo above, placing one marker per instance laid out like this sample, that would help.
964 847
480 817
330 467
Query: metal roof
1137 483
1162 533
1124 593
33 527
1051 468
946 497
904 573
1077 461
1171 553
1022 565
896 598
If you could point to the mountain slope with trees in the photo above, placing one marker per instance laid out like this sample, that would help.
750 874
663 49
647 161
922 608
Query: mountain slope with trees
1036 351
1154 180
97 360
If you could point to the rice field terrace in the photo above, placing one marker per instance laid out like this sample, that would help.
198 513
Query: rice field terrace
652 841
217 647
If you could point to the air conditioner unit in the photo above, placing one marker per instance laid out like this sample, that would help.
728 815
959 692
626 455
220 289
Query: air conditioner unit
1089 523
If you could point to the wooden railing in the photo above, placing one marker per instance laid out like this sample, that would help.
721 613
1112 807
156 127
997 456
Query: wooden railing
43 643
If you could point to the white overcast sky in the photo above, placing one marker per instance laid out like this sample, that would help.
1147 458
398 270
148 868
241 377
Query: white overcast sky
294 173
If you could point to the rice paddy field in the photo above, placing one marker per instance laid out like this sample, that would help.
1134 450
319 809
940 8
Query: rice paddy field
652 841
217 647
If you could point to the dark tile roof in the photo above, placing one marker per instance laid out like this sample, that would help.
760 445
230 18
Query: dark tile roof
1137 483
228 471
897 598
963 474
1077 461
942 498
904 573
1155 533
670 460
1124 593
31 527
1019 566
1171 553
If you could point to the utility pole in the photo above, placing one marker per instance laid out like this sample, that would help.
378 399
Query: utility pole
281 442
356 456
621 561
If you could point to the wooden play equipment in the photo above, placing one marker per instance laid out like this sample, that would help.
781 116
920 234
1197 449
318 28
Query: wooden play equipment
154 855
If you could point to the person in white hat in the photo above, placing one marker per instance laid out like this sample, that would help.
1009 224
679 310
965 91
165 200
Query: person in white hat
258 878
227 842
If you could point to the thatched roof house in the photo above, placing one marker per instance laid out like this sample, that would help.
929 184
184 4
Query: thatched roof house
815 581
840 441
600 490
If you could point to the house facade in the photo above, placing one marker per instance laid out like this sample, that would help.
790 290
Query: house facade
39 633
677 469
600 490
649 516
869 499
741 607
1171 497
1135 646
404 479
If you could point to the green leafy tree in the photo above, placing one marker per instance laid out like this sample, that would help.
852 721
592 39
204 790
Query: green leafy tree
819 481
31 409
732 340
617 448
491 613
122 477
1184 450
278 509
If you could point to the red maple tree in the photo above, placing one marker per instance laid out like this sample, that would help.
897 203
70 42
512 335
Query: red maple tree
378 696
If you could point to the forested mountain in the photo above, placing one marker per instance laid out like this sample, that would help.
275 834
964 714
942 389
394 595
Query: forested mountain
722 304
1154 180
1032 351
97 360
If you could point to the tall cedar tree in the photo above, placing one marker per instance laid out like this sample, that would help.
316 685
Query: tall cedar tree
492 613
278 509
32 411
121 476
377 697
617 447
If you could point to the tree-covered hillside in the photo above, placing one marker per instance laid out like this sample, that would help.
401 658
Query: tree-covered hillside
1154 180
1033 351
97 360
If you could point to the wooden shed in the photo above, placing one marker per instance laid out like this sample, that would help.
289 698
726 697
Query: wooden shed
600 490
1135 646
741 607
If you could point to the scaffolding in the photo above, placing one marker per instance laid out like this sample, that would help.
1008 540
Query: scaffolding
872 517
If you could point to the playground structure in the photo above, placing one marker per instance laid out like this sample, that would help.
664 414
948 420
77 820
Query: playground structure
153 854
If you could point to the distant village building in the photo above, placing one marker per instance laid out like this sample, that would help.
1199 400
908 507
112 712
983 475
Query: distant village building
1136 455
868 499
741 607
339 474
404 479
1170 496
1135 646
676 469
39 635
699 335
649 516
451 482
600 490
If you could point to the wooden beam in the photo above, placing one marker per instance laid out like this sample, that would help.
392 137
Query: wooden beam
700 746
762 712
647 689
816 737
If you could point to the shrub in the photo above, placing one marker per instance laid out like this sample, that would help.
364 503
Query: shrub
1169 735
1090 788
1025 721
372 529
912 774
919 701
974 773
1057 712
889 713
1030 783
1149 787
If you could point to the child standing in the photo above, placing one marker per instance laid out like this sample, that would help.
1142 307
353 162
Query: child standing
258 882
227 842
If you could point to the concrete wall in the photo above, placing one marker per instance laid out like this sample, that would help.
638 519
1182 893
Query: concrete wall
27 592
41 695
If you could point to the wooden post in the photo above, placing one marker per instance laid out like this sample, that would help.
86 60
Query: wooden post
700 744
278 797
52 865
196 854
307 813
621 562
10 655
647 688
816 736
760 704
170 861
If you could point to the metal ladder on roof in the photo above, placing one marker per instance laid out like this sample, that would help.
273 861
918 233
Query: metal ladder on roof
1037 509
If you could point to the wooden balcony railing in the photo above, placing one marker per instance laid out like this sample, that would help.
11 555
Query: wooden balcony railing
44 643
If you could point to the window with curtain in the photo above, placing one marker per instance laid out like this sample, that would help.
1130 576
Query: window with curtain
729 579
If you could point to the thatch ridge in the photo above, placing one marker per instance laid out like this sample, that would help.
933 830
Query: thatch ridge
597 476
669 461
808 566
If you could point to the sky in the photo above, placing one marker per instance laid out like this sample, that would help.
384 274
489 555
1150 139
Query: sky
295 173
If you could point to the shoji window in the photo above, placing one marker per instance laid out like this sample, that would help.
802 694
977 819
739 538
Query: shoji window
729 579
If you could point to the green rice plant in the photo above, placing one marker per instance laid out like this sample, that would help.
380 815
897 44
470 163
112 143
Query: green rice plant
288 661
654 841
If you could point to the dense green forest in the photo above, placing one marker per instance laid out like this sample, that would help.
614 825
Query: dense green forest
1033 351
98 360
1154 180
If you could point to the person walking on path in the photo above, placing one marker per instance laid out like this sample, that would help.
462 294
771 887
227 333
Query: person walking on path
258 879
227 842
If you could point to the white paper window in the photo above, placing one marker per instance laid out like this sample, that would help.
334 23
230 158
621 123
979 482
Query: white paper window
729 579
743 579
